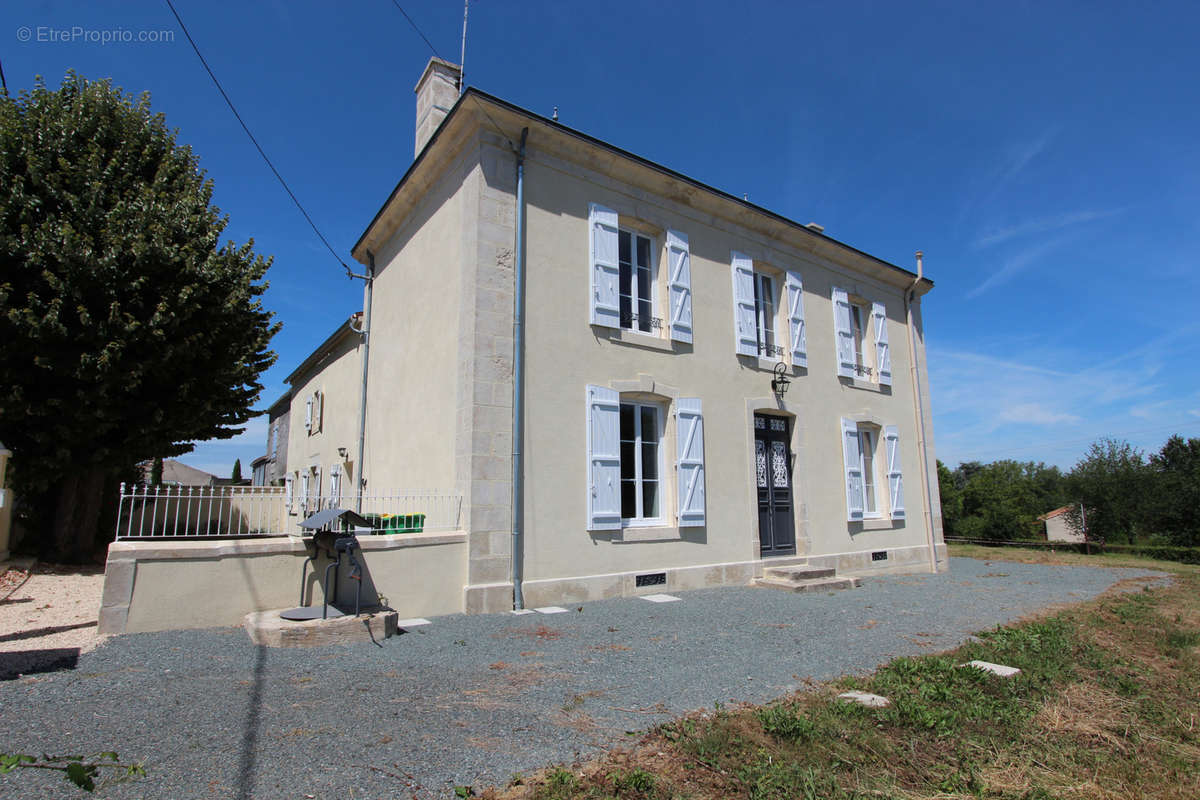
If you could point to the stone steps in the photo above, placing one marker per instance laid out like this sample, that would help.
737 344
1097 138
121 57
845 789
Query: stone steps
805 579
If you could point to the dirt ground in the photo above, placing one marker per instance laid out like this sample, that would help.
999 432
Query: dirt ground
47 616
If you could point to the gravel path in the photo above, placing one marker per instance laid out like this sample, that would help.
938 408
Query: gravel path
475 699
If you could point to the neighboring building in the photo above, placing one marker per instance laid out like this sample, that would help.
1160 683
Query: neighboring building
324 401
176 473
271 468
659 315
1057 527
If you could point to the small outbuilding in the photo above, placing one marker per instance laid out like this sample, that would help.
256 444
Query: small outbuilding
1058 528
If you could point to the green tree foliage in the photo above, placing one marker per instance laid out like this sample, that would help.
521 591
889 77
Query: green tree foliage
129 329
1111 481
1001 500
1174 508
237 470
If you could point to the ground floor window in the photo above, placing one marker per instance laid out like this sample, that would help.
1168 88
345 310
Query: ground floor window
641 434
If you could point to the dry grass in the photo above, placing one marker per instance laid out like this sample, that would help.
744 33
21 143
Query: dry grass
1106 707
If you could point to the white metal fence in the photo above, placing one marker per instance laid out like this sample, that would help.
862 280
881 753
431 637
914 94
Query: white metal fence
176 512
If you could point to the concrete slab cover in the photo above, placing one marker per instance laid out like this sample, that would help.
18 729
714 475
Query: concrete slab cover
866 699
660 598
995 669
551 610
412 623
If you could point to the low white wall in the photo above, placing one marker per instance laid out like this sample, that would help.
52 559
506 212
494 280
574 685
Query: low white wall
151 586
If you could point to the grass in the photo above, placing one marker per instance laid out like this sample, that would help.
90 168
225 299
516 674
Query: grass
1104 707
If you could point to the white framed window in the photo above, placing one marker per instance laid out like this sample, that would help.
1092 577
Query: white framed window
764 316
304 487
635 282
865 464
862 338
641 464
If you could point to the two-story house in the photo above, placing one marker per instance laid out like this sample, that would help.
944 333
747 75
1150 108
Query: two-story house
702 387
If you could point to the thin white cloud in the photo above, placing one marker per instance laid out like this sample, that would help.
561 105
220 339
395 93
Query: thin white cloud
1006 169
1017 264
1037 414
1043 225
1040 407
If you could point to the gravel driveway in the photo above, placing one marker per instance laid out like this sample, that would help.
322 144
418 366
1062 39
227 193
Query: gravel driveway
475 699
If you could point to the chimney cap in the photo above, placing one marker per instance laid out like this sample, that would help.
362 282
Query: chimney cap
812 226
454 71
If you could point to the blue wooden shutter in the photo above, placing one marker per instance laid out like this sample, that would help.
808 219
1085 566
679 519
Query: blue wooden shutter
689 432
604 458
604 266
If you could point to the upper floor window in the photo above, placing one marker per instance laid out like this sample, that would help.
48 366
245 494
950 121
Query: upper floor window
624 278
313 411
768 315
862 338
636 284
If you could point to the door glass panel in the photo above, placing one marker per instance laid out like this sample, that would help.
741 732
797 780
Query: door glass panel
778 425
760 463
779 464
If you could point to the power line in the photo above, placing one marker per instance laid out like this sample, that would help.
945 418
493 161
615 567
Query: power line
415 28
257 146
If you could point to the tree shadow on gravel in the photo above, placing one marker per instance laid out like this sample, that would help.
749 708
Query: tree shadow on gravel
16 663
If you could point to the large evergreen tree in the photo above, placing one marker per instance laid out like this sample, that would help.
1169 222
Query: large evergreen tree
128 328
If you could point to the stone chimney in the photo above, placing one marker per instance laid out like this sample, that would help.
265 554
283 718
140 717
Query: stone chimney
437 91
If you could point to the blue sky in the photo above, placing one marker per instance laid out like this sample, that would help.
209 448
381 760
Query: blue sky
1045 156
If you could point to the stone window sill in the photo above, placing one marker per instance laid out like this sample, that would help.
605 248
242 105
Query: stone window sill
636 339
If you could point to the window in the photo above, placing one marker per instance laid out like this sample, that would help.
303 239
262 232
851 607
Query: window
624 276
757 303
274 436
862 338
764 316
865 464
636 282
640 460
335 486
625 461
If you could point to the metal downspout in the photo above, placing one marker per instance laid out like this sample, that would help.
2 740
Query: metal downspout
518 432
362 406
909 297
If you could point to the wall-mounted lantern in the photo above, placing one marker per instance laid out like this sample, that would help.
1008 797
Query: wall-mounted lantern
780 383
342 453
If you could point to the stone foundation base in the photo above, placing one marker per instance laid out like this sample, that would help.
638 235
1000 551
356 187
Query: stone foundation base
268 629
